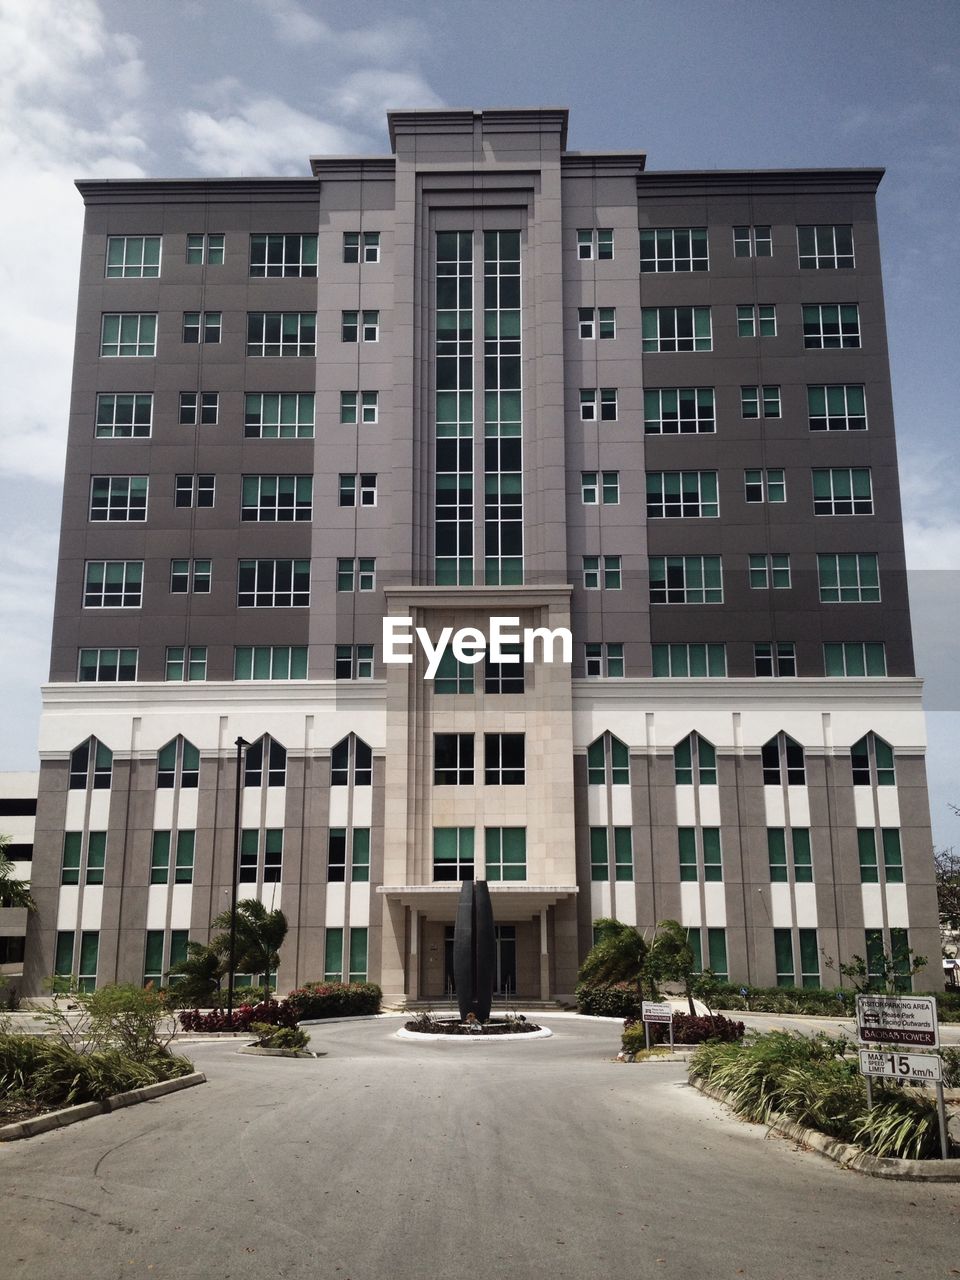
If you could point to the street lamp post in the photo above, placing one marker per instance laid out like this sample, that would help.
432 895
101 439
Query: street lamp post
241 743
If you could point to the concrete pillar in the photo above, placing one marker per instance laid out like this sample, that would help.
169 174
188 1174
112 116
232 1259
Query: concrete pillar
392 978
544 957
413 976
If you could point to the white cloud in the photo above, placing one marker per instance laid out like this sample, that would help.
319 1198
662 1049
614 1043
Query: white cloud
368 95
387 43
259 135
932 545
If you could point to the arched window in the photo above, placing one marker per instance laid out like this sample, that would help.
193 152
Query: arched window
608 759
178 756
871 756
91 762
695 757
782 757
265 752
351 753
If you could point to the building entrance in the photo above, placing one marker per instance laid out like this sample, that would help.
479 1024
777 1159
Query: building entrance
505 968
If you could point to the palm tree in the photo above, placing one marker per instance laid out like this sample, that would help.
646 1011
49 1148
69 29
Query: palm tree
13 891
671 958
260 934
618 955
200 971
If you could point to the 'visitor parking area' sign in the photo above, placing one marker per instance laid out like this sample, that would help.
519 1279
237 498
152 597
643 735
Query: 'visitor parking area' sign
899 1020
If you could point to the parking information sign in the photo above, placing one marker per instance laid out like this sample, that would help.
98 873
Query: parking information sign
657 1011
922 1068
898 1020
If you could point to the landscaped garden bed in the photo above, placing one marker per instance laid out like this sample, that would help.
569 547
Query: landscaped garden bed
311 1002
429 1025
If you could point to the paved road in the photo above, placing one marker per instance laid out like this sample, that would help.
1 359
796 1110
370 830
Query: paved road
386 1160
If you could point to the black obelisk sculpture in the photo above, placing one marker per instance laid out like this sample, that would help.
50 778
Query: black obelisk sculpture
473 950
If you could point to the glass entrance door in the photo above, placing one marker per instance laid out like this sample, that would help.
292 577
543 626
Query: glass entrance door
505 975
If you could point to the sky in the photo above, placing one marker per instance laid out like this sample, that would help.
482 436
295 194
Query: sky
181 88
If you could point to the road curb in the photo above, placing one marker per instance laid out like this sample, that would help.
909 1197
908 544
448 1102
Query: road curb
846 1154
84 1110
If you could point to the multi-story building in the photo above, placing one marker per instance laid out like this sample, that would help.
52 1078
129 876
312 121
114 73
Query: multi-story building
18 811
483 376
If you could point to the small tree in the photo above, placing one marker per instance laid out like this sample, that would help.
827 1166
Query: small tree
885 973
200 972
618 955
671 959
947 869
14 892
259 937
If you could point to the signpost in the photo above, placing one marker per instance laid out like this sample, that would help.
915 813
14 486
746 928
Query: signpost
656 1011
898 1021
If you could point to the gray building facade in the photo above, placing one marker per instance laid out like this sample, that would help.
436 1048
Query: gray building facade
483 376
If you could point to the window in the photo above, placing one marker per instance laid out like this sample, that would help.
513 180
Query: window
597 322
674 249
608 760
360 326
457 677
809 957
353 662
848 578
361 247
273 584
277 498
506 676
676 329
202 247
250 855
777 855
279 415
842 491
594 243
712 856
351 753
160 858
337 855
270 662
265 749
202 326
686 580
837 408
81 775
783 756
197 491
133 256
178 758
283 255
356 575
600 486
854 660
358 490
867 848
70 861
752 242
183 870
453 760
199 406
783 952
599 856
607 566
453 853
358 955
333 955
113 584
682 493
679 411
687 842
698 660
281 333
831 326
774 660
63 962
184 663
752 398
892 855
757 321
765 486
130 333
505 853
120 416
872 753
87 968
769 570
504 759
360 861
107 666
588 404
187 575
366 403
118 498
825 247
604 660
695 757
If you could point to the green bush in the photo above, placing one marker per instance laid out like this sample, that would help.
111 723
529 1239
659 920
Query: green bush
687 1029
812 1081
271 1037
334 1000
609 999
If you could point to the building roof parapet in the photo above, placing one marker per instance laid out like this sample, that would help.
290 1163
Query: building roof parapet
685 182
195 190
492 120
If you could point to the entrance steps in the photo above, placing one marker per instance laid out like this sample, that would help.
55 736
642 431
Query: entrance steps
497 1009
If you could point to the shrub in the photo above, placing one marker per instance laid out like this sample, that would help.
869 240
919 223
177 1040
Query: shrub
267 1011
270 1037
609 1000
334 999
687 1029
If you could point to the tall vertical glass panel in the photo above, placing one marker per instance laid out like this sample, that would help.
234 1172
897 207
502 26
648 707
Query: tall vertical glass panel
453 565
503 444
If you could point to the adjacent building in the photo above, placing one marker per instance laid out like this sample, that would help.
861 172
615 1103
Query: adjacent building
483 376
